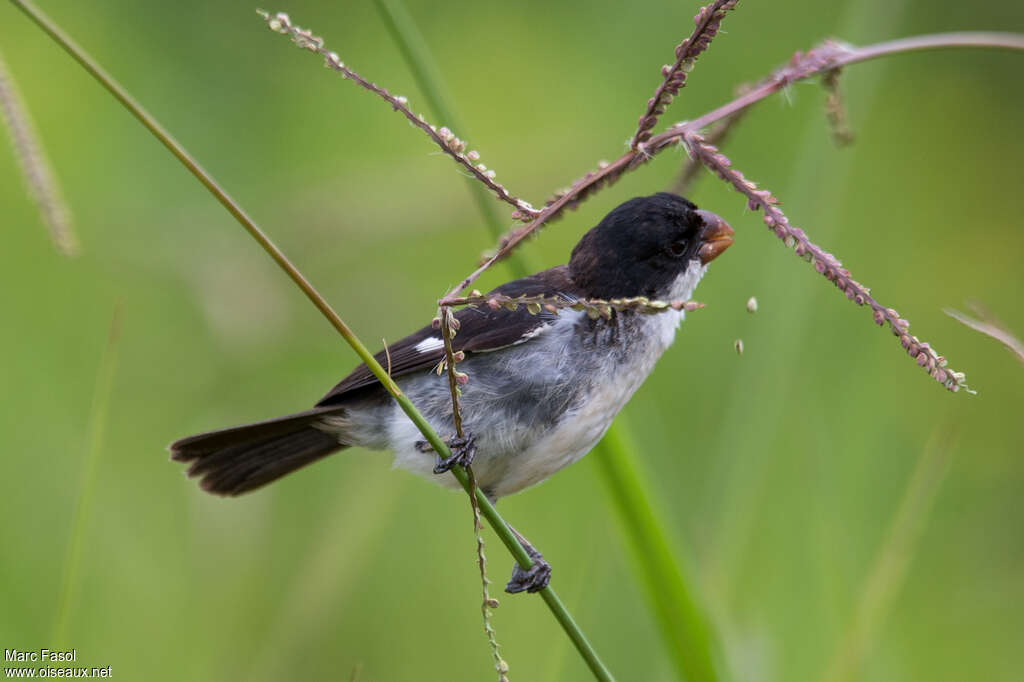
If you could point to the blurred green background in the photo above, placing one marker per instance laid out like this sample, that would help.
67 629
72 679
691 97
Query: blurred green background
780 471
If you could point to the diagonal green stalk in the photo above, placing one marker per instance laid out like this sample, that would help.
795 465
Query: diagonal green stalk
97 430
685 629
487 509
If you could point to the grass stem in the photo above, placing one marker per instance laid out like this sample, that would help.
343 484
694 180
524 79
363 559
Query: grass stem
558 609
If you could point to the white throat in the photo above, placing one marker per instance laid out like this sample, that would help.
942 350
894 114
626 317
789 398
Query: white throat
686 283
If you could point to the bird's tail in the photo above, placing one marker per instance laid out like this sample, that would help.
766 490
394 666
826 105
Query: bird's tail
242 458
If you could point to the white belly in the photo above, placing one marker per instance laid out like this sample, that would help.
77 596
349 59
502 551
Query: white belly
511 459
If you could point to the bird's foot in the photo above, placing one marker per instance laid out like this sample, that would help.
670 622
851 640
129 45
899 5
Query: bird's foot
533 579
463 451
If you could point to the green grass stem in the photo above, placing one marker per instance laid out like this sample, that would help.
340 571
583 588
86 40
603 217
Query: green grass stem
558 609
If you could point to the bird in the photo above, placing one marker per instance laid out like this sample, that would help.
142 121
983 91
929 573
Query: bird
542 387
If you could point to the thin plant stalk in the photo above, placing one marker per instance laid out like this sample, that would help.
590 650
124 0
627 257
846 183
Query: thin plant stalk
549 596
447 320
443 137
842 56
707 25
487 603
825 263
87 483
692 168
827 57
990 327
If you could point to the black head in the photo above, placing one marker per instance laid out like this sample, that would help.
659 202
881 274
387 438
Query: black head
644 245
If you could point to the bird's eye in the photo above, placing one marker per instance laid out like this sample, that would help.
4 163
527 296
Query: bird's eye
678 247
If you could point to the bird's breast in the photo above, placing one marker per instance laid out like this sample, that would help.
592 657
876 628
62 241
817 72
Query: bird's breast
605 362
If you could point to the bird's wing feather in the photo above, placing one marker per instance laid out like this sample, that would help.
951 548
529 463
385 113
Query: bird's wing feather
481 330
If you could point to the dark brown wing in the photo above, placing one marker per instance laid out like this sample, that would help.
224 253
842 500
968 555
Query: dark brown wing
481 330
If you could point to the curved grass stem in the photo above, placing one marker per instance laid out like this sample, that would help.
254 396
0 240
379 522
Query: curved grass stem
558 609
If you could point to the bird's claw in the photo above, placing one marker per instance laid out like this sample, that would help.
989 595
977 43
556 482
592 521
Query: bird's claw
533 579
463 451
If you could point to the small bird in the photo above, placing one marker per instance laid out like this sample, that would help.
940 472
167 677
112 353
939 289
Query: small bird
542 390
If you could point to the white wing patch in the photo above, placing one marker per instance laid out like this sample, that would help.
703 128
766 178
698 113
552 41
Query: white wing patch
429 344
533 333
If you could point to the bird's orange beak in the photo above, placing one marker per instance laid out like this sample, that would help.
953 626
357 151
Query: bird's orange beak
715 238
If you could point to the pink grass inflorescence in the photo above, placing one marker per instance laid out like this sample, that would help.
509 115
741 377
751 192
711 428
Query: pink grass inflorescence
824 263
825 59
442 137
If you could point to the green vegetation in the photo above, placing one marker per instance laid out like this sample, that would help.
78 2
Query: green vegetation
782 469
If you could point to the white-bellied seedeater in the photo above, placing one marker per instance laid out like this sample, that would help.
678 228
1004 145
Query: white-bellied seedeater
542 388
